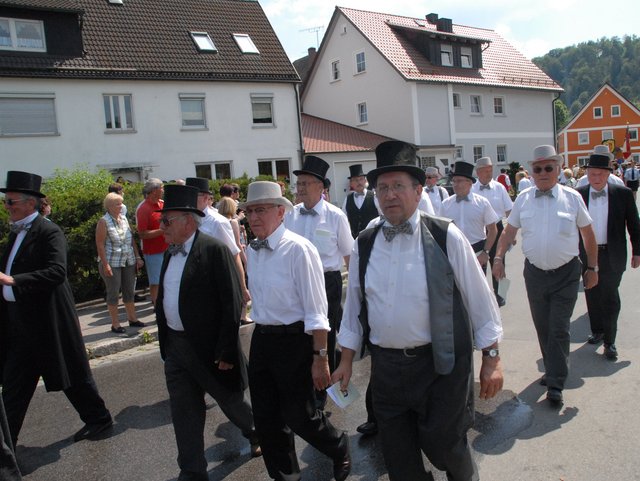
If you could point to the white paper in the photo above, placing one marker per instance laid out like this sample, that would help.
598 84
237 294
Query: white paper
342 399
503 287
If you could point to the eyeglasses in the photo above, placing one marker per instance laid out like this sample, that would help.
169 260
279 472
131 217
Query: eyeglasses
167 220
305 184
547 168
382 189
11 202
259 211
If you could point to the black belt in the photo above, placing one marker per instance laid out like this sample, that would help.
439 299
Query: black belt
549 271
406 352
602 247
478 246
295 328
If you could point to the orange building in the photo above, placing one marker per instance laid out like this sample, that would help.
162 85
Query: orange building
603 120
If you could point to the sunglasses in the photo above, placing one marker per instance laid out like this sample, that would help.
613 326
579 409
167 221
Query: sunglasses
547 168
11 202
167 220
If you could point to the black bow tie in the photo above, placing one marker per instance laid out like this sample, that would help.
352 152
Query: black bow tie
177 249
391 232
257 244
460 198
429 189
358 194
310 212
595 194
17 228
483 187
542 193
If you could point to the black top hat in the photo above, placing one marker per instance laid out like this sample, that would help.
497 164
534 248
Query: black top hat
597 161
355 171
313 166
394 156
463 169
199 183
181 197
23 182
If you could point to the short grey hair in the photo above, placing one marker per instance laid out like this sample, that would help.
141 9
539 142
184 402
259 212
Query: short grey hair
151 185
197 219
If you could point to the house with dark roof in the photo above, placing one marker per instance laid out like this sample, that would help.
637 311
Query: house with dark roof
146 88
604 119
454 91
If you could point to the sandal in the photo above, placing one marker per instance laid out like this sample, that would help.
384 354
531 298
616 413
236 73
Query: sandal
136 324
118 330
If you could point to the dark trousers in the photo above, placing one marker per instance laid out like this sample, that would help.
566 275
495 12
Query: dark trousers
552 296
20 378
603 300
8 466
283 401
492 255
421 411
187 381
333 288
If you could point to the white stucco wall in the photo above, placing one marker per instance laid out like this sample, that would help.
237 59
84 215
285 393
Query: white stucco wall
158 140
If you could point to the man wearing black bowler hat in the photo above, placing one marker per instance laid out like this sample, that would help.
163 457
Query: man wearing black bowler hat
327 227
360 205
614 211
418 300
198 313
39 327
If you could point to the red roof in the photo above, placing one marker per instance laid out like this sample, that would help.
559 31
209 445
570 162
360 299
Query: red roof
502 64
322 136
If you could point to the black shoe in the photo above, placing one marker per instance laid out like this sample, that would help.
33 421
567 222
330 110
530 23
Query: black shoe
90 431
368 429
554 395
118 330
136 324
500 300
342 464
595 338
543 381
137 298
610 352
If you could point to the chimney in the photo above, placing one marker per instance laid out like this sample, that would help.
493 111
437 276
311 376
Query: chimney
445 25
432 18
311 51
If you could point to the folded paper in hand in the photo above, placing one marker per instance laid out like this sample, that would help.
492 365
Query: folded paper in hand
343 398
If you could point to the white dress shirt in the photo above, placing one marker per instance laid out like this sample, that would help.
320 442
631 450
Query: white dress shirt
398 298
550 225
7 291
614 179
434 196
171 285
425 204
359 200
497 196
471 216
287 283
218 226
524 184
329 231
631 174
599 212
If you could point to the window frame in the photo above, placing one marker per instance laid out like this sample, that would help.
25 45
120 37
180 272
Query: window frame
13 35
595 116
262 98
362 113
619 111
275 167
457 104
476 156
335 70
502 106
122 108
201 97
207 46
360 64
633 134
471 104
459 152
505 158
582 161
607 134
245 44
466 52
581 138
48 99
446 48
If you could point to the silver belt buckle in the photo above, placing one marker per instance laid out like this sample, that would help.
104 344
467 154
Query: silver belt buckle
406 354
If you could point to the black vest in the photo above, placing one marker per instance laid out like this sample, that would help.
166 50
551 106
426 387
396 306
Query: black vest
359 218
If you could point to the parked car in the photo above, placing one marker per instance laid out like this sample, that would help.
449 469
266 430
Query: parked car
445 182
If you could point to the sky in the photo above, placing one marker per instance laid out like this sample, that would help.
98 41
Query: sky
532 26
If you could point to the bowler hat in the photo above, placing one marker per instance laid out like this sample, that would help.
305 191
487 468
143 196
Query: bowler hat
199 183
263 192
483 162
396 156
599 161
183 198
24 183
313 165
355 171
603 150
463 169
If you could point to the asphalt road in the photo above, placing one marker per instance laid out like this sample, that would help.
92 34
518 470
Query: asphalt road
517 436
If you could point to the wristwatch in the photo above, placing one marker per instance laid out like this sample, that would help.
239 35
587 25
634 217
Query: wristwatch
490 353
486 252
321 353
594 269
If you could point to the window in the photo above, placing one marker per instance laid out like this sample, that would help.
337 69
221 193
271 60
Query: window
597 112
31 114
361 65
583 138
607 134
245 43
363 117
278 169
262 110
476 104
203 42
446 55
192 110
428 161
23 35
498 105
459 152
335 70
633 134
636 158
478 151
501 154
466 58
118 112
615 111
456 101
582 161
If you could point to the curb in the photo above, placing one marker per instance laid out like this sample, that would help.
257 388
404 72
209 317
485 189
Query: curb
114 346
